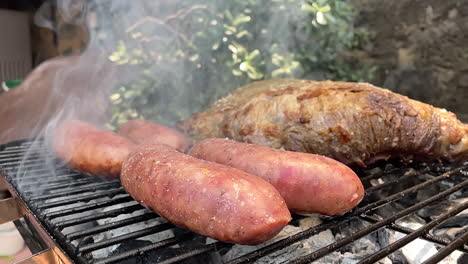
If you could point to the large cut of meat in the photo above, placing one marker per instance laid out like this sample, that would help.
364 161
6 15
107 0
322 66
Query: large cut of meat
356 123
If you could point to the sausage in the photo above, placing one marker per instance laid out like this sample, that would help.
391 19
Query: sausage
211 199
141 131
89 149
309 183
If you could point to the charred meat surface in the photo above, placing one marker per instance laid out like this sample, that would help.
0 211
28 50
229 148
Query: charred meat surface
208 198
309 183
355 123
89 149
142 131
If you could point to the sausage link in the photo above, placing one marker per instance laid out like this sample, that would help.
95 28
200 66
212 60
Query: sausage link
309 183
208 198
89 149
141 131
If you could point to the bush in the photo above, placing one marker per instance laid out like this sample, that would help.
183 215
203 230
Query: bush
200 53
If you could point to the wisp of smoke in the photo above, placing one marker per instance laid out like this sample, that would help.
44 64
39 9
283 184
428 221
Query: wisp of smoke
79 86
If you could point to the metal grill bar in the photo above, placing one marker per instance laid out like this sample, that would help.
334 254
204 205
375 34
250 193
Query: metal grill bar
85 188
250 257
14 154
59 173
27 170
413 189
407 175
444 252
192 253
145 250
25 164
93 217
118 239
375 175
82 198
88 207
52 183
49 188
23 156
20 151
407 239
21 159
405 230
113 225
342 242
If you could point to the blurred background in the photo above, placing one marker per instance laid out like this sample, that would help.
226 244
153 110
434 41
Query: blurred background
179 56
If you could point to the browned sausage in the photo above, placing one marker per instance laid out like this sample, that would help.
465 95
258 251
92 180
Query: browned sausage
141 131
89 149
309 183
208 198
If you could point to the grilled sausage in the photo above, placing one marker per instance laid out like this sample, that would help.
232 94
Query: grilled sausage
309 183
89 149
141 131
208 198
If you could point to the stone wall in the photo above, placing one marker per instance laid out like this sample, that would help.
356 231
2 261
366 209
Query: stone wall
420 48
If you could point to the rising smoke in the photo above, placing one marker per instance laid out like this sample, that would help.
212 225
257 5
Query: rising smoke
163 60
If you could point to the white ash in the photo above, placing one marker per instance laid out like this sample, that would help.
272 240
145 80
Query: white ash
365 246
353 258
113 232
127 229
454 226
298 249
80 227
419 250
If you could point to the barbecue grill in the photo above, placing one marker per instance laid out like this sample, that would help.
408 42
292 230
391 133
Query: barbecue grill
70 215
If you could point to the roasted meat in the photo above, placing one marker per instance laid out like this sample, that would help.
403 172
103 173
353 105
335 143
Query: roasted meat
355 123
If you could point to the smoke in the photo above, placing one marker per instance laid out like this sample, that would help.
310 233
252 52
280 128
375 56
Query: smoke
164 60
160 60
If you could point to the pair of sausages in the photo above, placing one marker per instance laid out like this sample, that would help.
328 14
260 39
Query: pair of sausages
208 198
228 202
99 152
309 183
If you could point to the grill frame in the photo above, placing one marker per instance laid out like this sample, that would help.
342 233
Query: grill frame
31 207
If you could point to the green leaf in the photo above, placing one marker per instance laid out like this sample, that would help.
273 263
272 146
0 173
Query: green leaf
254 75
240 19
242 34
254 54
236 72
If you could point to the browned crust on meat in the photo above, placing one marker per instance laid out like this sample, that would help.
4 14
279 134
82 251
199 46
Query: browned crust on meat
356 123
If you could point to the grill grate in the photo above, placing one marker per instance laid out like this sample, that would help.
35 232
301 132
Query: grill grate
74 208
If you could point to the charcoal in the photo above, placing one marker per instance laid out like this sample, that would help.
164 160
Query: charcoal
298 249
155 255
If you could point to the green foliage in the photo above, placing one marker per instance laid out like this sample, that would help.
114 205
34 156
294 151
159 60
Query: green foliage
203 52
